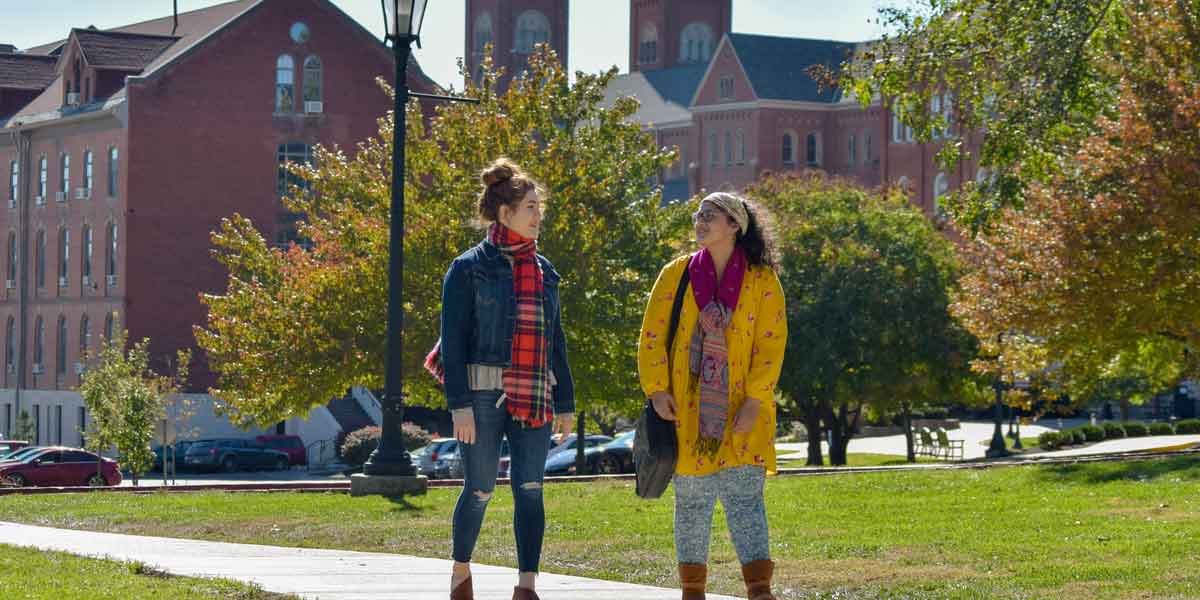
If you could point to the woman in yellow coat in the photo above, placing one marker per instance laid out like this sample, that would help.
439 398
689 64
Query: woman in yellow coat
717 383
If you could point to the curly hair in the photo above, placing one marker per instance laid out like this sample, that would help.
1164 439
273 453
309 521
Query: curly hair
504 184
759 240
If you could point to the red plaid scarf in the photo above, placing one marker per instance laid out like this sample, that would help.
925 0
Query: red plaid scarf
527 381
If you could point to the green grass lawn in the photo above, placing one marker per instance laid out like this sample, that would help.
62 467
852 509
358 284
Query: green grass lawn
1097 530
863 459
1027 443
29 574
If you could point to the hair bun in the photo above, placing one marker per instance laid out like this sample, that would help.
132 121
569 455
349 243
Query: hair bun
501 170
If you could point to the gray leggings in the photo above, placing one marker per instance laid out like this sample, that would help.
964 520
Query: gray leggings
740 490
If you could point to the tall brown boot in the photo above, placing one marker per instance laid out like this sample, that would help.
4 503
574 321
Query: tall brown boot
692 579
757 575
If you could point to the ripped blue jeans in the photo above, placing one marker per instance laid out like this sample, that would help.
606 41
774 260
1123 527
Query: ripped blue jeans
528 447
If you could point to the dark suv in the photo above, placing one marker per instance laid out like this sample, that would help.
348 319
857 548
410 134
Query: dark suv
231 455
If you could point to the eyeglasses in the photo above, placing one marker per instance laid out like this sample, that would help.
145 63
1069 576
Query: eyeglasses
705 216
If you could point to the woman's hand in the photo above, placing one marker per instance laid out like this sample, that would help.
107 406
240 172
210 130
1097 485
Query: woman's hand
563 424
664 405
746 416
464 425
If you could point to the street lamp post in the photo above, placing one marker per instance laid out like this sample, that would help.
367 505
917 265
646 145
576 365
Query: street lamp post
997 448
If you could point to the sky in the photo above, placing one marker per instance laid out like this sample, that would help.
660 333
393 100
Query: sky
599 29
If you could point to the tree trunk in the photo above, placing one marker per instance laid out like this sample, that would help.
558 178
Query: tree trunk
1124 409
812 425
580 443
910 446
842 423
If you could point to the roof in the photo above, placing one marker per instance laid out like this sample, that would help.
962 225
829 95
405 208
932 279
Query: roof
777 66
677 84
121 50
26 72
653 109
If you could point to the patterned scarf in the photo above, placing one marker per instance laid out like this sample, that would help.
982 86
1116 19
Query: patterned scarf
708 353
527 381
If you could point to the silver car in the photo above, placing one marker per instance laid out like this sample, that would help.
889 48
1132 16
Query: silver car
431 454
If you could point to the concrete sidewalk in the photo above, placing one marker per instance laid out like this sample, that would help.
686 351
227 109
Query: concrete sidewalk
316 574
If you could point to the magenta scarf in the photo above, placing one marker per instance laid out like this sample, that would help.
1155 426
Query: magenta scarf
708 352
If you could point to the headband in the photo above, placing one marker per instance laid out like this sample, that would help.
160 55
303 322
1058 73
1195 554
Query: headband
733 206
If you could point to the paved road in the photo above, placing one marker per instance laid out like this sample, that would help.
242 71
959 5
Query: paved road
318 574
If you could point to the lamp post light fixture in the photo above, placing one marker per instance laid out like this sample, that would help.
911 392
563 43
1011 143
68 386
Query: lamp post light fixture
389 470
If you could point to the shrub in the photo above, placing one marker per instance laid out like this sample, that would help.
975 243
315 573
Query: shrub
1051 440
359 445
937 412
1135 429
1092 433
1188 426
414 437
1160 429
1113 431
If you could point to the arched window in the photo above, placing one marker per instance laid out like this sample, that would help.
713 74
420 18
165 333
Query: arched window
648 46
64 256
285 84
39 340
852 150
108 327
788 147
39 267
12 256
728 148
312 83
940 186
87 171
110 267
696 43
113 170
14 179
64 182
61 363
867 143
532 28
935 107
714 151
85 337
85 259
812 149
483 31
741 147
903 184
42 177
10 346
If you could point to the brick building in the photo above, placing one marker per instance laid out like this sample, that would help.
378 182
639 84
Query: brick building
513 27
122 149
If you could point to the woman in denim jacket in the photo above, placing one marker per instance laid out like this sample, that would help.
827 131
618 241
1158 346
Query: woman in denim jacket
504 357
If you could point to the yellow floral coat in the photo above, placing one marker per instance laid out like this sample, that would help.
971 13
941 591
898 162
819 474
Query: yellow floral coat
756 339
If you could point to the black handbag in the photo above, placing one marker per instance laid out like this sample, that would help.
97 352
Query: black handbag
655 445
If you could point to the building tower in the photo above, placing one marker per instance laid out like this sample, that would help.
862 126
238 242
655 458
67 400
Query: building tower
513 27
670 33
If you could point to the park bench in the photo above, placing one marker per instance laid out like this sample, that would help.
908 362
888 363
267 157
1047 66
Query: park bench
949 448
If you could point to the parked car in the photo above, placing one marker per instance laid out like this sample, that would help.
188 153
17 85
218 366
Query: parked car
561 460
58 466
291 445
612 458
181 448
432 452
17 455
7 446
230 455
449 463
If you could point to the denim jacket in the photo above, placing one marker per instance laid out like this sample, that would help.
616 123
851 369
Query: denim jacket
478 314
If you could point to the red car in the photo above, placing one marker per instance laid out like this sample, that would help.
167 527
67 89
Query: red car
58 466
288 444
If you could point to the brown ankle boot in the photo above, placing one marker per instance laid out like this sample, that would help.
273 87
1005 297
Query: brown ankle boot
463 591
692 579
520 593
757 575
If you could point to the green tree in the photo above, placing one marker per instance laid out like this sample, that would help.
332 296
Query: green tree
868 280
24 428
126 400
298 326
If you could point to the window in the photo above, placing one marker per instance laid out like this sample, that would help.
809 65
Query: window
713 151
40 260
85 262
312 80
291 153
982 177
727 87
696 43
39 340
42 169
113 170
728 148
85 337
741 147
108 327
111 250
935 107
12 256
61 366
648 48
903 184
14 179
10 345
532 28
789 148
87 171
940 186
64 256
901 133
852 150
867 141
285 84
812 149
483 31
64 183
